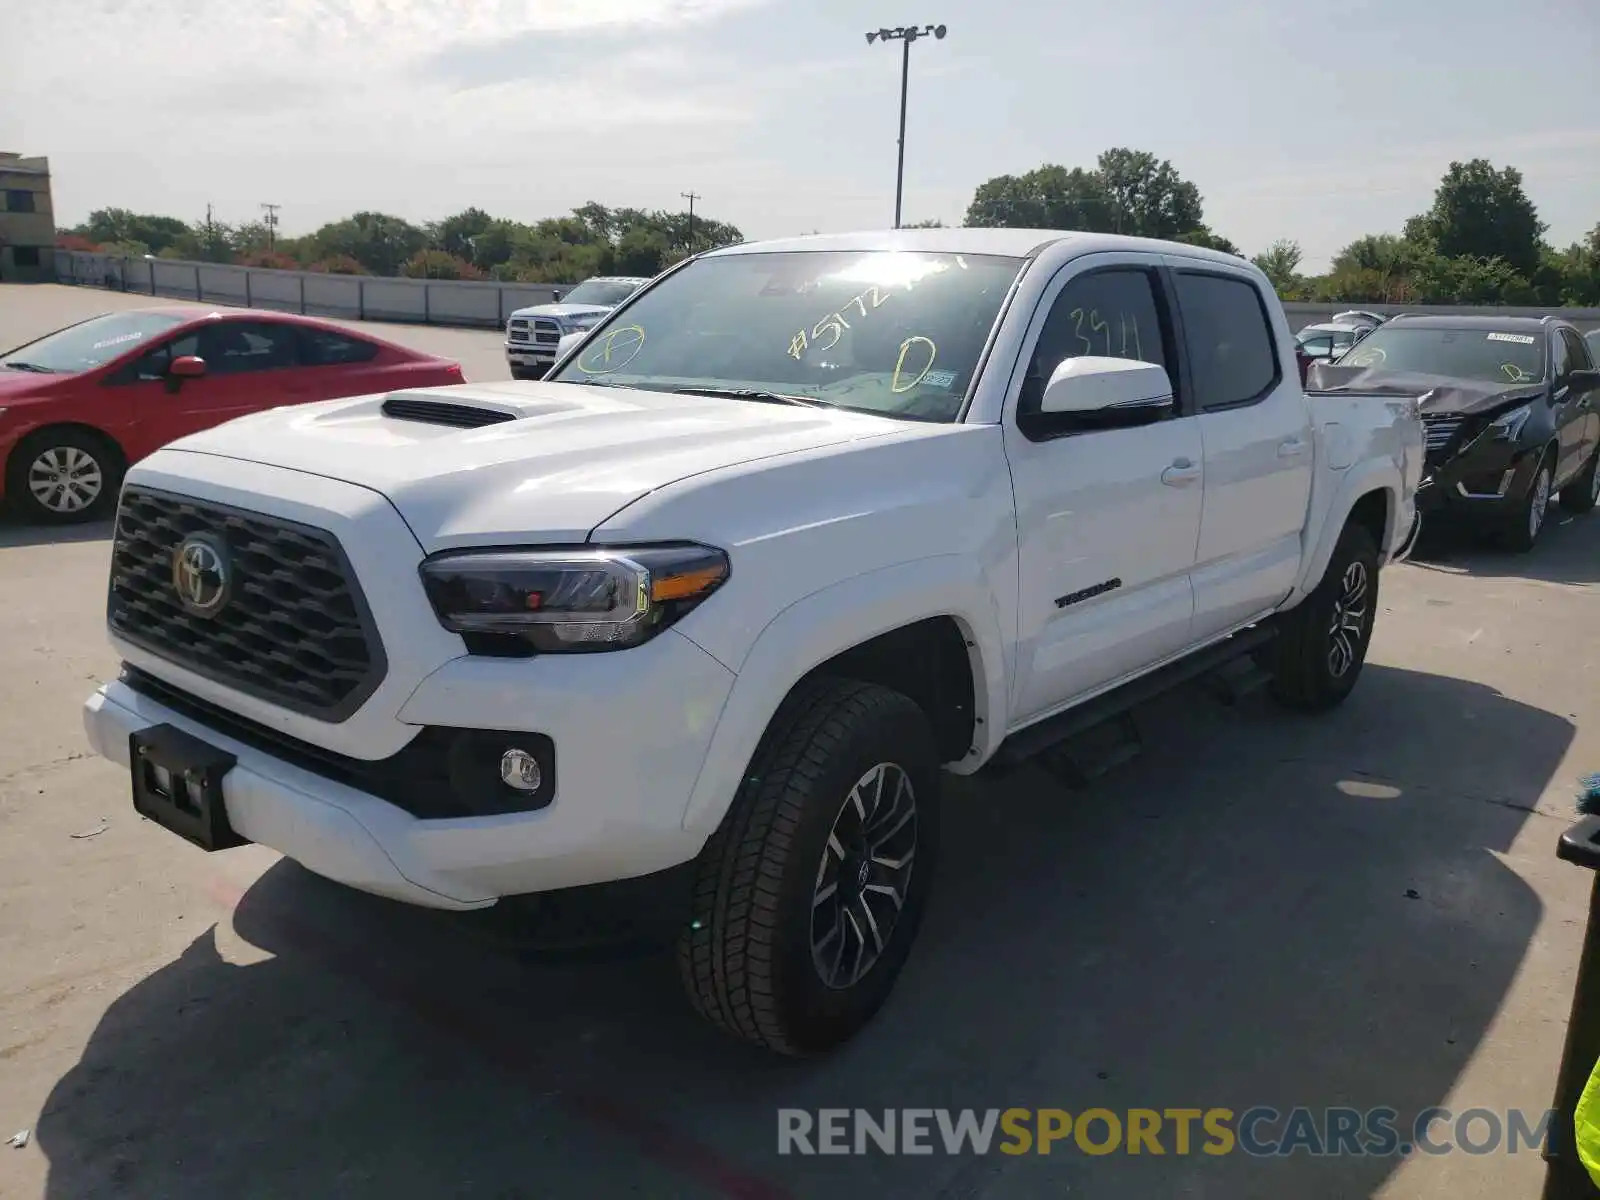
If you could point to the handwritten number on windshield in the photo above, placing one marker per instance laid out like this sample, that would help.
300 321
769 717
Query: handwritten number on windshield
913 348
834 323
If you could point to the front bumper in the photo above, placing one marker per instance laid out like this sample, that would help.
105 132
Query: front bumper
631 732
530 354
1486 482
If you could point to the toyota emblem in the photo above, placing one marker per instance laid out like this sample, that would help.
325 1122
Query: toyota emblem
201 574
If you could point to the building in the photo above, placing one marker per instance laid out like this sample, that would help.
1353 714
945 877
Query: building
27 220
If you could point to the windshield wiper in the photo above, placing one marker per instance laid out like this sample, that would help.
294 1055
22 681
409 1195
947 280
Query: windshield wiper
758 394
28 366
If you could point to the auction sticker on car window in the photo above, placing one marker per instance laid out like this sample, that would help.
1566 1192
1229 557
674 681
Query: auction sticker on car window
1521 339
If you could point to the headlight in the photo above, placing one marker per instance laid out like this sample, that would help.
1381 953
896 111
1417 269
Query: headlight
564 600
577 324
1508 425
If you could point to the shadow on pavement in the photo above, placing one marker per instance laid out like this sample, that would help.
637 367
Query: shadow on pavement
1568 551
1263 910
13 533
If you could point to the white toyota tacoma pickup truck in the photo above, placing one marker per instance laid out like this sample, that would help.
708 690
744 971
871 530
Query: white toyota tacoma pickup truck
795 528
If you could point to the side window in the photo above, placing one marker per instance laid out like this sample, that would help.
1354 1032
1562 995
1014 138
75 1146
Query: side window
1560 357
153 363
1319 346
1578 357
1111 314
238 347
324 348
1233 355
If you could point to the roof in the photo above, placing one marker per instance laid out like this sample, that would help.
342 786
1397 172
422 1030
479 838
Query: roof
1015 243
1336 326
618 279
1448 321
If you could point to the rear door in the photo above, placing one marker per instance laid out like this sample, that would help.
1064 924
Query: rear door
1106 518
1255 426
1583 425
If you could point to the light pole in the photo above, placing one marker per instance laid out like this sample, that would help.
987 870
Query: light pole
905 35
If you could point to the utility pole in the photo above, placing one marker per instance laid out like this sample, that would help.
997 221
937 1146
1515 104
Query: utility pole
905 35
271 222
691 197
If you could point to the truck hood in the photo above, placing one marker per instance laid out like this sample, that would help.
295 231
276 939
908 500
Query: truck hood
1439 393
563 310
562 458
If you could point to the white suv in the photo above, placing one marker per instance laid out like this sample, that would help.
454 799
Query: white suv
797 528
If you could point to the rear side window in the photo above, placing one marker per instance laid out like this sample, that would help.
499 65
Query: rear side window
1578 357
245 347
324 348
1233 355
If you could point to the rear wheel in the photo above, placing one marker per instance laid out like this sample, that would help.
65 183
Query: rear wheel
1522 530
1322 643
63 476
1582 493
809 894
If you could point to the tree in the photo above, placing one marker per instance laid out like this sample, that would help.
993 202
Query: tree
930 223
1465 279
1146 196
1051 197
121 225
1483 213
1280 262
455 235
439 264
379 242
1203 236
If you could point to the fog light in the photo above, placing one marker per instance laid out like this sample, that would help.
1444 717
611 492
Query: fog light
520 770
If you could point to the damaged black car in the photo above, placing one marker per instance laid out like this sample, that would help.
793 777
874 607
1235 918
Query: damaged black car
1511 406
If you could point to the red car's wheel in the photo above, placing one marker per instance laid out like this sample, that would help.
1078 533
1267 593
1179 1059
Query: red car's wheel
64 475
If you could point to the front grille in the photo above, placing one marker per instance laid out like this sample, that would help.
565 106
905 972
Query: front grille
294 629
417 778
547 331
517 331
1440 430
438 412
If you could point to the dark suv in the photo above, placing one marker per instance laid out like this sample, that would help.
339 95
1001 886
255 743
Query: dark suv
1512 410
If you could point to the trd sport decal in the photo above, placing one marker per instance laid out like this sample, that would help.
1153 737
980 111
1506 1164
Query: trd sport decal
1099 589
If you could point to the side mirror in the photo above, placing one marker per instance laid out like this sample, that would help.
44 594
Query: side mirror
1120 391
1584 377
569 340
555 295
188 366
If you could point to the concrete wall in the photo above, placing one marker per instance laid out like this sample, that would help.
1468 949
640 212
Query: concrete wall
357 297
441 302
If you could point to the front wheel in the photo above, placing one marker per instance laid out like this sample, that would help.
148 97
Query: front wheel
809 894
1322 643
1522 530
63 476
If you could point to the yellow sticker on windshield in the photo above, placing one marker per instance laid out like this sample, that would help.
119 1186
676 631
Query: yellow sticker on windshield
919 349
615 349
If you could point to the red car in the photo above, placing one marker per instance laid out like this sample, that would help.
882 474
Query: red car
79 405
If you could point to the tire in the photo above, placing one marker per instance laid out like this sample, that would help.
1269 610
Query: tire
747 958
529 372
1521 531
1313 667
86 467
1581 495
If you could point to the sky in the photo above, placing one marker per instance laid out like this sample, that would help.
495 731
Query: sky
1317 122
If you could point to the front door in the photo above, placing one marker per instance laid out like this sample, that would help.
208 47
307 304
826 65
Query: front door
250 365
1255 423
1107 520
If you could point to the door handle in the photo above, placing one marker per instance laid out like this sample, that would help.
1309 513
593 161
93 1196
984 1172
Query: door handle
1291 448
1181 473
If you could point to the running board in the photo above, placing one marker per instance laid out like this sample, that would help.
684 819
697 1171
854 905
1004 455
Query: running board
1028 743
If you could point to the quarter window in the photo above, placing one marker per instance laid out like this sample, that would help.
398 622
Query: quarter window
324 348
1109 314
1578 357
1233 354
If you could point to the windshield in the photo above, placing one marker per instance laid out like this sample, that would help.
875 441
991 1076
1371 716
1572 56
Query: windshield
91 343
894 333
1481 355
599 292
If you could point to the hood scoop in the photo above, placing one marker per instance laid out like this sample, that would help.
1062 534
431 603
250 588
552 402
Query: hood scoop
443 412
